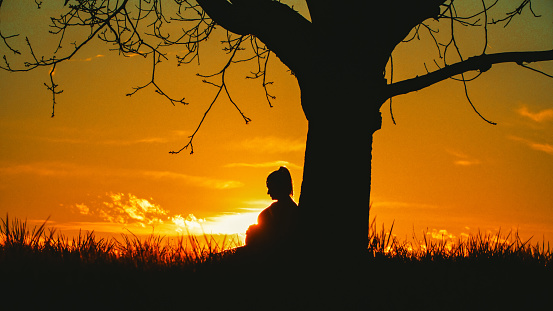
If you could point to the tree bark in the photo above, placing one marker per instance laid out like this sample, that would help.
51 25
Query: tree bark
343 115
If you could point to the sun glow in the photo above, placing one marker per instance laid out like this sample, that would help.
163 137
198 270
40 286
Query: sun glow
187 224
224 223
118 212
232 223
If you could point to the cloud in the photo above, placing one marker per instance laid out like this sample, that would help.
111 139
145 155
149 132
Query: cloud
146 140
93 57
265 164
88 59
118 211
196 180
187 224
111 142
231 223
271 144
466 162
544 147
115 212
540 116
60 169
134 54
259 203
53 169
99 138
463 159
124 209
395 204
181 133
96 226
547 148
224 223
83 209
441 234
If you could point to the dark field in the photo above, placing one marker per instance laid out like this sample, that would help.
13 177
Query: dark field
40 268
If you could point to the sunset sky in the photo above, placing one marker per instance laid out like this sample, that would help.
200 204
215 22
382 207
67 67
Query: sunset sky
103 163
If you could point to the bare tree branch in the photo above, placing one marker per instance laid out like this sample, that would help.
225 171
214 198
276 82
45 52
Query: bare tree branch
480 63
140 27
157 88
510 15
52 88
5 39
234 48
99 23
535 70
282 29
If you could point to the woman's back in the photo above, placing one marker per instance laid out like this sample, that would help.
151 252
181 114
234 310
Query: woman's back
279 216
276 224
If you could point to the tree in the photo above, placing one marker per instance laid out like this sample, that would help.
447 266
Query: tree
340 57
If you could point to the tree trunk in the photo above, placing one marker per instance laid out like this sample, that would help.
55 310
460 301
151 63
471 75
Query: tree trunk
343 113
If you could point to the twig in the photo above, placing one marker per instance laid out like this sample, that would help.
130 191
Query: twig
5 39
536 70
52 88
234 47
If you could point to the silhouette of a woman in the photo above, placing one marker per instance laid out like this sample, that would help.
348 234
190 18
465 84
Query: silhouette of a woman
275 224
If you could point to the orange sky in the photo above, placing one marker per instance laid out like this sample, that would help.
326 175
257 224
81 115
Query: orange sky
103 164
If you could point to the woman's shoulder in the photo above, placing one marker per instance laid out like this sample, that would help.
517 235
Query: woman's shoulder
283 206
266 212
269 209
280 207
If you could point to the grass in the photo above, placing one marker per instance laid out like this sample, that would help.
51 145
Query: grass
153 251
473 248
40 267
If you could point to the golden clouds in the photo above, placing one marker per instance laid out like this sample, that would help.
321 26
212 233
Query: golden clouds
539 116
440 234
52 169
116 211
408 205
88 59
271 144
463 159
82 208
444 239
71 135
199 181
544 147
124 209
110 142
187 224
59 169
265 164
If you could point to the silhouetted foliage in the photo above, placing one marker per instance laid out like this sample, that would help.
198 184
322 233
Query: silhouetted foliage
40 267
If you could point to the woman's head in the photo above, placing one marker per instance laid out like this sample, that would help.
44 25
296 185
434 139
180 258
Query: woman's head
279 184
